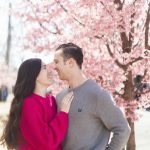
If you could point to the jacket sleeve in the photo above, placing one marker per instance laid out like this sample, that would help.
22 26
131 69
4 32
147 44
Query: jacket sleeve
113 119
38 133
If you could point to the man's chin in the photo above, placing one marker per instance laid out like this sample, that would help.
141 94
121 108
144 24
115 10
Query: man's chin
61 78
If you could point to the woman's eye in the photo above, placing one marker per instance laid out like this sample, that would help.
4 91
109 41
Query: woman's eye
44 66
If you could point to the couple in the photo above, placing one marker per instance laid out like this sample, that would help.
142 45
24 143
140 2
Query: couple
87 113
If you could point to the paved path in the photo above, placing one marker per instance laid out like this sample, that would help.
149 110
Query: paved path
142 127
142 131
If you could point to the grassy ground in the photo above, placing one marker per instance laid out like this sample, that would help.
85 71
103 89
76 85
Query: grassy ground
142 127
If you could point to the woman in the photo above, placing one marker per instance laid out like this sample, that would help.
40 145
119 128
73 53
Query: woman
33 122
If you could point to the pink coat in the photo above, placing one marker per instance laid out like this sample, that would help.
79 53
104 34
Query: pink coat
42 128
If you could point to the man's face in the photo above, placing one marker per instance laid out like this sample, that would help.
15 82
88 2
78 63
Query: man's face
60 66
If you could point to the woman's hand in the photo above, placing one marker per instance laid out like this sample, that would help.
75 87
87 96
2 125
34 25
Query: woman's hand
66 102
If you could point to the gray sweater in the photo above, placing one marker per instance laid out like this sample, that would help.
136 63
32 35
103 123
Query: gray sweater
92 117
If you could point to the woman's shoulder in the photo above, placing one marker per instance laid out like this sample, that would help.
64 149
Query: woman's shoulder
30 102
28 98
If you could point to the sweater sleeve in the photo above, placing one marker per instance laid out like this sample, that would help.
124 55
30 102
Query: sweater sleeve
113 119
38 133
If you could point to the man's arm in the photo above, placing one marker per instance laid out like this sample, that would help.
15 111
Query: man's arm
113 119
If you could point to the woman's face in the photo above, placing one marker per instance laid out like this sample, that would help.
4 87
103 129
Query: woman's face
44 77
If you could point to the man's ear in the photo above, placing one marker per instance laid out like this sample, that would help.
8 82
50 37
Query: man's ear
71 62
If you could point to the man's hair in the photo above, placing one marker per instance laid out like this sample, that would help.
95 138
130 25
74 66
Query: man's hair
71 50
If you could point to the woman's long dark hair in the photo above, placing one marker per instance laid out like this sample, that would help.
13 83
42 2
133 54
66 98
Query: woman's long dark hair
24 86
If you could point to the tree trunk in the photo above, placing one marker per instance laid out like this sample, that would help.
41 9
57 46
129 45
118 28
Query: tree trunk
131 142
8 38
128 96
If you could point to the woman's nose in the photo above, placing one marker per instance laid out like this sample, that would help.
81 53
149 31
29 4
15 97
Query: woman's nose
50 66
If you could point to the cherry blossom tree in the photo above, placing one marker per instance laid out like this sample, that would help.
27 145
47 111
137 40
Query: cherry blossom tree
114 35
7 76
7 73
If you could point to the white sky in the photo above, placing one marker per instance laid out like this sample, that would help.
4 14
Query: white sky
17 55
4 19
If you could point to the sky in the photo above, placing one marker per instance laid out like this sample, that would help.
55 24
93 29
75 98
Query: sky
3 26
16 55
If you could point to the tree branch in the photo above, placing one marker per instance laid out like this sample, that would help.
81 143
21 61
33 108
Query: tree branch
43 27
131 38
135 45
120 4
58 2
118 94
124 67
98 37
109 50
126 46
107 9
126 43
145 72
41 24
135 60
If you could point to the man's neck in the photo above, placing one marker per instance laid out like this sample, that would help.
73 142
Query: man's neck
77 80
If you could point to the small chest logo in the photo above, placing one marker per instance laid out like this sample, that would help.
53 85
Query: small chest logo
79 109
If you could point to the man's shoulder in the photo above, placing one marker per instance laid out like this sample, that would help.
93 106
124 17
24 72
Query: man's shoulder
98 90
94 86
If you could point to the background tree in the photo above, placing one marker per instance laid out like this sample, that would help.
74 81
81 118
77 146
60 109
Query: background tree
8 42
7 73
114 35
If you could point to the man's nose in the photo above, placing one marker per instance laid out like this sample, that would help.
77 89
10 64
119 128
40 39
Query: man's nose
50 66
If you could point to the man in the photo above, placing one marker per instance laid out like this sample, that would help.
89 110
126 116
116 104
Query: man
93 114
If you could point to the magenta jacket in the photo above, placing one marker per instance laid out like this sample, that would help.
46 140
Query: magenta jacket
42 128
